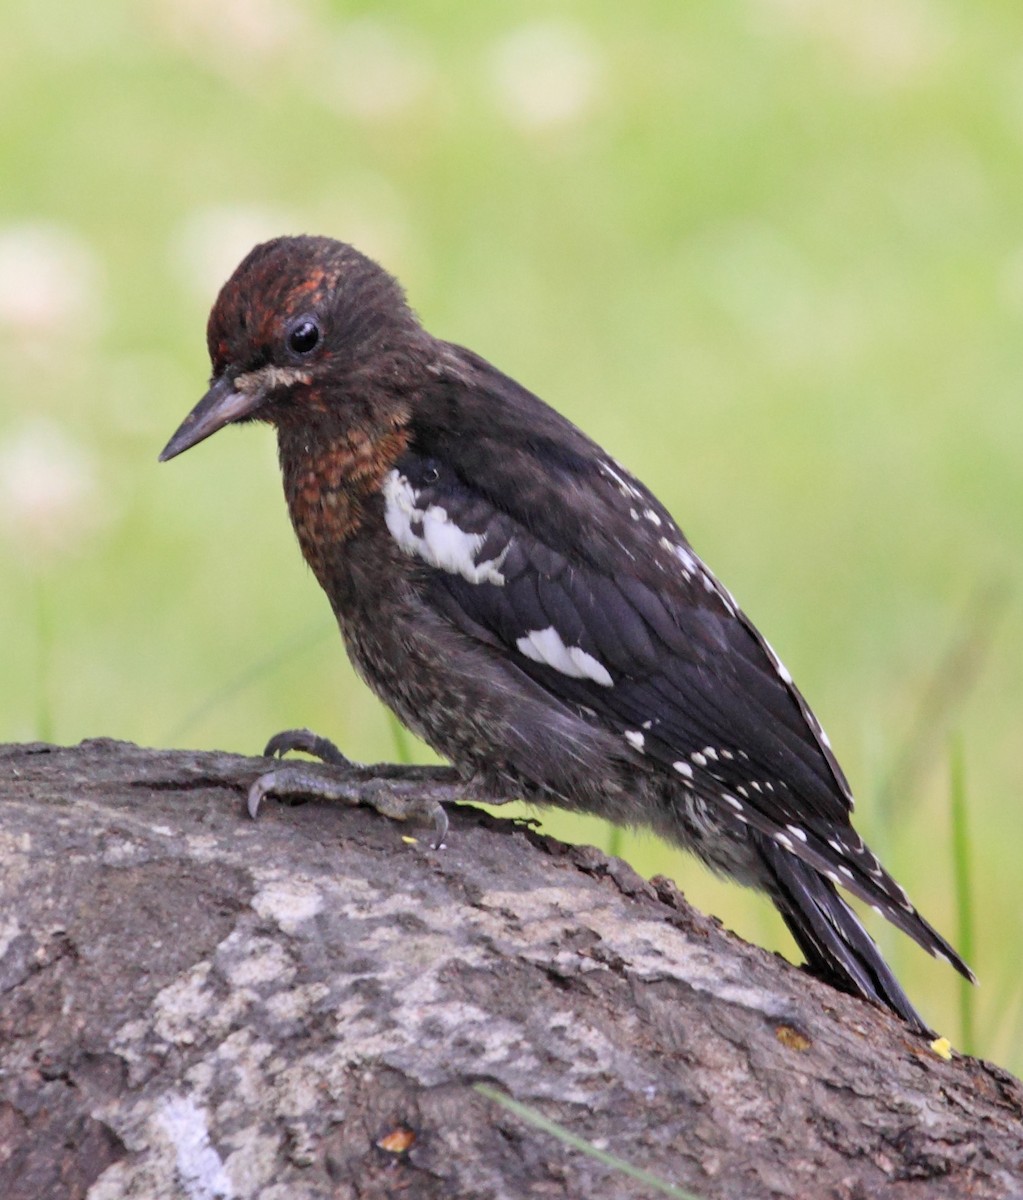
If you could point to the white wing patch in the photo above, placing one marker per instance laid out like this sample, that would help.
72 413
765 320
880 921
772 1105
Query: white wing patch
441 543
545 646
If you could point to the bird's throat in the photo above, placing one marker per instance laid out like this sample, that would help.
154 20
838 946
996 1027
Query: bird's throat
327 486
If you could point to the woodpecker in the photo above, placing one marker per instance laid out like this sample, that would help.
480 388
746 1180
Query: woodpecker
529 608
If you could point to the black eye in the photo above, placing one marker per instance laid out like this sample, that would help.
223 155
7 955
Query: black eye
304 336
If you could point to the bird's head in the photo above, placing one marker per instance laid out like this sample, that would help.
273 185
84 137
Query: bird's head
297 333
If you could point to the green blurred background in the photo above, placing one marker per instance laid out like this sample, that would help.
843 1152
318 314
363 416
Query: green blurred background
768 252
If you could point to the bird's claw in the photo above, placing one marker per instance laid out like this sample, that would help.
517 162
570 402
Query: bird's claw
309 743
381 796
259 788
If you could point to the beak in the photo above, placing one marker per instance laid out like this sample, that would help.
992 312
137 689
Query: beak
219 407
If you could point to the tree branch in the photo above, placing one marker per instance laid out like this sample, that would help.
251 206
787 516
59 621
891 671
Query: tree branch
196 1004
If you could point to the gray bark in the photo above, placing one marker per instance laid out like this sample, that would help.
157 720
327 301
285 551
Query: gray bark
193 1004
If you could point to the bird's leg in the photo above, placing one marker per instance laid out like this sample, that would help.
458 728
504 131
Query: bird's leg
396 790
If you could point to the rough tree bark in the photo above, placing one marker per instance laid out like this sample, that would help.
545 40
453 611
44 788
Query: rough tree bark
195 1004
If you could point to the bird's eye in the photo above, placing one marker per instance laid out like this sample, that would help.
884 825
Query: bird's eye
304 336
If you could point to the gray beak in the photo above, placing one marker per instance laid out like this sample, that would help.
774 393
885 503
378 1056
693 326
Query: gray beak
219 407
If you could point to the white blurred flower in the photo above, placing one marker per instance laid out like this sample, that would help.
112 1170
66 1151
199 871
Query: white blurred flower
886 41
50 282
207 246
49 498
545 74
231 34
374 71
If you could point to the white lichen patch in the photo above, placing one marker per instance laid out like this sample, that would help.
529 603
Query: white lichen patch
183 1006
296 1004
199 1167
9 930
242 1059
116 853
247 961
253 1162
288 902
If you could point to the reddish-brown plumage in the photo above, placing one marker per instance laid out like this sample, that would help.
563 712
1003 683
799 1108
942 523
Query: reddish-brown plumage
327 490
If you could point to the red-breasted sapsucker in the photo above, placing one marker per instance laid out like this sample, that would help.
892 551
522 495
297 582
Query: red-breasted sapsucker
529 608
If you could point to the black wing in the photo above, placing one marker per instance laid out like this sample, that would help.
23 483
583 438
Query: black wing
553 554
592 553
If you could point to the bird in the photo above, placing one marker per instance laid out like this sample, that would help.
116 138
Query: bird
526 606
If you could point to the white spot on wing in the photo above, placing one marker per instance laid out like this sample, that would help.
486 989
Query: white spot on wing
635 738
688 560
617 473
797 832
683 768
546 646
441 544
779 666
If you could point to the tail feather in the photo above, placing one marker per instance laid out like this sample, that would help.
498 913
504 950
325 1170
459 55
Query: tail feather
836 946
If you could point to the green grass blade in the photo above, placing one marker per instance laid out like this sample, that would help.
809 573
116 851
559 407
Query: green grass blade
252 674
963 887
44 662
537 1119
615 840
954 677
400 736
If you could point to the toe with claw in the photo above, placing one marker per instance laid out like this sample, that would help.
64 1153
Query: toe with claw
399 792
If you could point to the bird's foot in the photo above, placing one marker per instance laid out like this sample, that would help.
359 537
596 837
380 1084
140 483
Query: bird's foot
401 792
